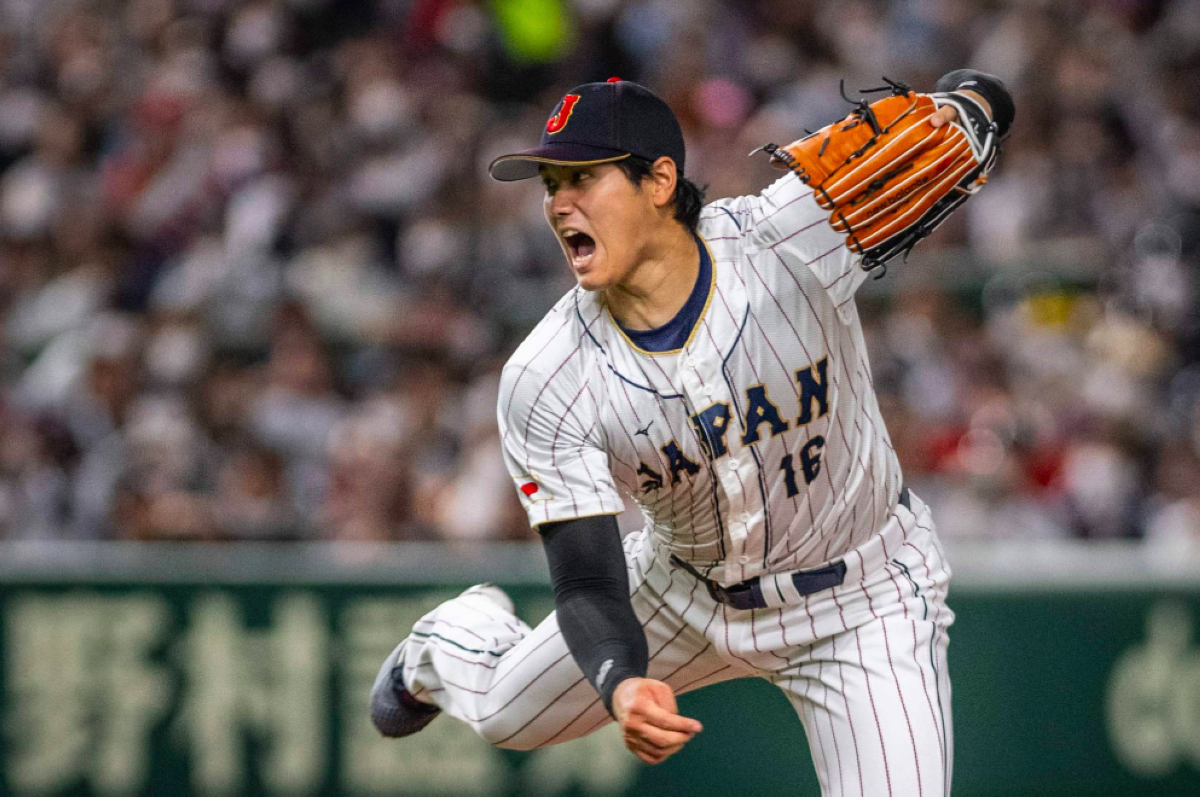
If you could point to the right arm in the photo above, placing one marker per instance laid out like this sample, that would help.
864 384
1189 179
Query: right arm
558 462
591 596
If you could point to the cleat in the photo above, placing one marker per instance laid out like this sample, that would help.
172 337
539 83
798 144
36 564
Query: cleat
394 711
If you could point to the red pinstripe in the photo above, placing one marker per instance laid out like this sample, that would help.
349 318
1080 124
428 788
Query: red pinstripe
632 444
935 635
690 684
794 233
525 368
560 695
549 380
833 731
849 715
841 277
904 707
782 636
942 752
757 378
682 627
693 483
657 455
515 666
871 695
933 714
583 460
507 624
728 649
823 772
455 627
791 383
844 362
554 445
849 381
775 211
808 356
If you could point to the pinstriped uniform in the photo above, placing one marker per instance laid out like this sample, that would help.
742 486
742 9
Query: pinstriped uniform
756 449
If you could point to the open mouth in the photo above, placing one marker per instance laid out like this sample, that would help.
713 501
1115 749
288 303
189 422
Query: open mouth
581 247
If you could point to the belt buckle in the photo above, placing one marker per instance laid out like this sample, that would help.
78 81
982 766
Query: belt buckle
715 591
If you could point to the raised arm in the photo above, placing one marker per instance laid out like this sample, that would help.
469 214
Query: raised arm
893 170
869 187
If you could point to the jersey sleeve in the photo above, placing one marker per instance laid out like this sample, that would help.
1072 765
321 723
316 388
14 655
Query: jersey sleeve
786 220
551 441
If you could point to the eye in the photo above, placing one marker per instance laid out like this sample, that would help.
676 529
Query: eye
551 186
578 177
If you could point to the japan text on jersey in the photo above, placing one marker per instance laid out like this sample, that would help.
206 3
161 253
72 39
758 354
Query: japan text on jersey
756 447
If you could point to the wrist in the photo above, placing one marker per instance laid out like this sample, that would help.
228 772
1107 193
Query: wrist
615 687
979 98
989 87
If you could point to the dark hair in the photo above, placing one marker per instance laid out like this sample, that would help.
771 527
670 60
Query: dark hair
688 199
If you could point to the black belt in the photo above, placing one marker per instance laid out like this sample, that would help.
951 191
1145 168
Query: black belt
748 594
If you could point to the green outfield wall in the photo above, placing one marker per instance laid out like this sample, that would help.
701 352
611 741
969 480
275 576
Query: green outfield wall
245 671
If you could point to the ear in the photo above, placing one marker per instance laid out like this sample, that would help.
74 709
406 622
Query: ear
663 178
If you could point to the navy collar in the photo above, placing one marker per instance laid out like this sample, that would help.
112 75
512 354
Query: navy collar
674 334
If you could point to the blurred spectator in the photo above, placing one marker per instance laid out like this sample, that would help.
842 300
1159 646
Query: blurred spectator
369 495
251 500
255 284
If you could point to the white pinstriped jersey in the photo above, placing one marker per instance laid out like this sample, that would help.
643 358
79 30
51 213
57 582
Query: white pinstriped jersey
758 447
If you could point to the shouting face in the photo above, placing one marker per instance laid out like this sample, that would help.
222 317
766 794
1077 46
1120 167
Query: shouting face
602 220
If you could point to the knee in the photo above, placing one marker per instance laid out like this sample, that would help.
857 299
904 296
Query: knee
502 734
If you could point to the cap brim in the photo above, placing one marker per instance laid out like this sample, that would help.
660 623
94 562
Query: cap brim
523 165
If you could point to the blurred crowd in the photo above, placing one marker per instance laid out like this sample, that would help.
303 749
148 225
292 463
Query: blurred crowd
255 284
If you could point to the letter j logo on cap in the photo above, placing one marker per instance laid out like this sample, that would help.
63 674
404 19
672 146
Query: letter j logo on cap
559 120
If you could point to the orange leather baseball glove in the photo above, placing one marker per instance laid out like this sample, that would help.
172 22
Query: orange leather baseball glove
887 176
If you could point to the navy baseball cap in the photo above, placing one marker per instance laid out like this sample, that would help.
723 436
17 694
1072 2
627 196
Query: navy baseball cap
600 123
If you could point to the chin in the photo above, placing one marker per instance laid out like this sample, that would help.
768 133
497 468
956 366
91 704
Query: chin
595 278
590 282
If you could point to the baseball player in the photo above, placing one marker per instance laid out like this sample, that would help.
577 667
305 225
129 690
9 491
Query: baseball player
711 366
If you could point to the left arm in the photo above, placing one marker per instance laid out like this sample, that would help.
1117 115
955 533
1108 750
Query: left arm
893 170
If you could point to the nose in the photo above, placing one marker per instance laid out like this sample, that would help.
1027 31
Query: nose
562 202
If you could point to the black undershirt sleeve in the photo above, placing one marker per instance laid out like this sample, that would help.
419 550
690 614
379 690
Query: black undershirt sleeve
591 596
990 87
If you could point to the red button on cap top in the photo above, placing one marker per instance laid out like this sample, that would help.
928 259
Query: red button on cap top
614 80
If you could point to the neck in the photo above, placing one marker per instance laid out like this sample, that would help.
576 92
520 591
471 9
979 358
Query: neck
659 285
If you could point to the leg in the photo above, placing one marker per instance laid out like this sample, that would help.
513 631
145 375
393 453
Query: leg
875 698
875 705
519 688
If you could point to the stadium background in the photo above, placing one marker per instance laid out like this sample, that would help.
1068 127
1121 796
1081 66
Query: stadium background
255 291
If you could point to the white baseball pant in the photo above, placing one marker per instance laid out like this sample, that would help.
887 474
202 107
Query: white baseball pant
863 664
